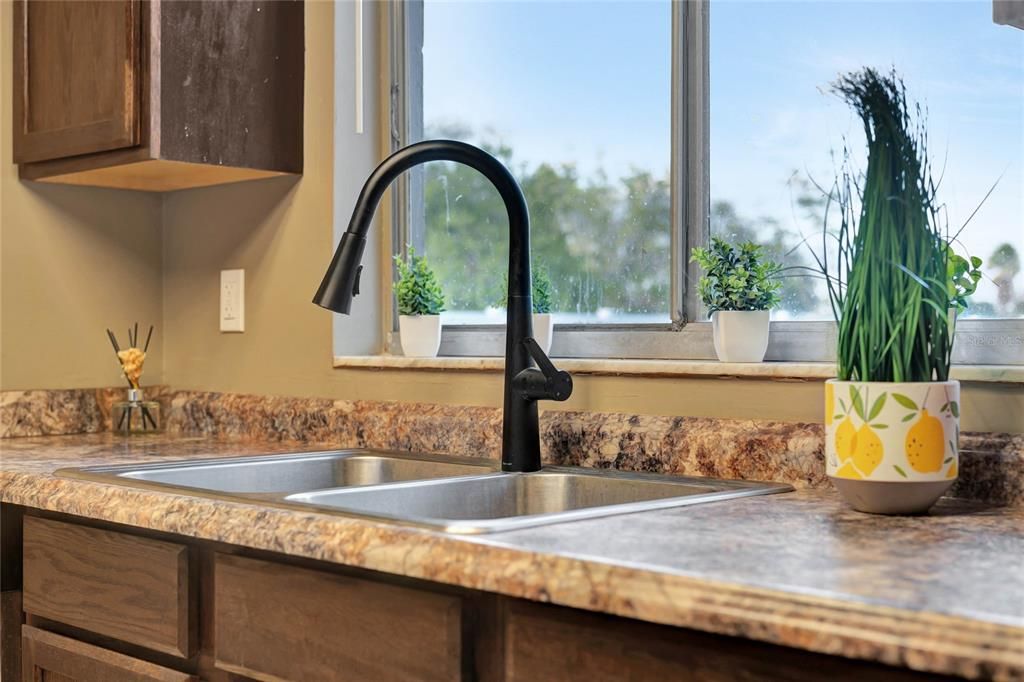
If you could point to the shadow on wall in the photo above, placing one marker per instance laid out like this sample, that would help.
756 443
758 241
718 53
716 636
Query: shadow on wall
110 215
231 225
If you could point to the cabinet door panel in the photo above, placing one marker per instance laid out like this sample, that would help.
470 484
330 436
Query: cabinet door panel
48 657
76 77
275 622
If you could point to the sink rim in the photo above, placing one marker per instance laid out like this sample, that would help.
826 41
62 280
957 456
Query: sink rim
719 489
118 474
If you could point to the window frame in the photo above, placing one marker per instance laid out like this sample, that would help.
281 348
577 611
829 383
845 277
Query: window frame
687 336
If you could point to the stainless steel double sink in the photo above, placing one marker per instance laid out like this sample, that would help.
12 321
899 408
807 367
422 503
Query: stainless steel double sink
454 494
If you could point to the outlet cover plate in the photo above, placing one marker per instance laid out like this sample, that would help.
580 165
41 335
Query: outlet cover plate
232 300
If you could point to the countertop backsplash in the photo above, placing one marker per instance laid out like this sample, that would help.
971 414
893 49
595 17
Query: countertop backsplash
991 471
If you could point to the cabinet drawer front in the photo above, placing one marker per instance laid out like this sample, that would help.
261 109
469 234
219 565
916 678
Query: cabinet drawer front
131 588
48 656
277 622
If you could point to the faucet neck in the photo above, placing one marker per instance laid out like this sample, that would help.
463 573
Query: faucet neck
475 158
523 383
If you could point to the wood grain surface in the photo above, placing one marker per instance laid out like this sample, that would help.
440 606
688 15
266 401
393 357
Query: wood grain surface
50 657
278 622
76 77
123 586
550 643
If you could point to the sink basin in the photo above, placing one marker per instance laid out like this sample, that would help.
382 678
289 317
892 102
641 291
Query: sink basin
505 501
273 475
454 494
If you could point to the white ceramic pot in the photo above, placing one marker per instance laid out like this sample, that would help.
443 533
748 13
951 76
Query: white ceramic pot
543 330
420 335
740 335
892 448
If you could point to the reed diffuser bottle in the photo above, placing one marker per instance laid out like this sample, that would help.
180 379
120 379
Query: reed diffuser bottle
135 414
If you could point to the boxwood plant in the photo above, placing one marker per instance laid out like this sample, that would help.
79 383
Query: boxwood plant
736 277
541 291
418 291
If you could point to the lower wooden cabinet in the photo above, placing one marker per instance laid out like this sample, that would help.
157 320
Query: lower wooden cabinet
112 605
49 657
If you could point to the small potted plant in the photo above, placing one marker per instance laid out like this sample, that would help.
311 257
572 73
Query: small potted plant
420 304
543 322
739 287
892 413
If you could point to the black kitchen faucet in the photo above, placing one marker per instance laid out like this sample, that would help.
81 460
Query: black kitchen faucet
529 374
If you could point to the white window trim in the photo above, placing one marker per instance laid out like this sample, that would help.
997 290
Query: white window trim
687 336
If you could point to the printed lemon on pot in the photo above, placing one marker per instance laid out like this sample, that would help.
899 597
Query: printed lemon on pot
868 453
926 444
858 450
846 439
848 470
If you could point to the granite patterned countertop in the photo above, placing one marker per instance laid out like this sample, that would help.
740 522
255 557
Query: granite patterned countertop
942 593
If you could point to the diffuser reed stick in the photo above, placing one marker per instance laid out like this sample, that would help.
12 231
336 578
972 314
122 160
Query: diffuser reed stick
132 359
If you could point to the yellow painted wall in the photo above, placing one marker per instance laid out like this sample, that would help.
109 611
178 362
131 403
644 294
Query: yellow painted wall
73 260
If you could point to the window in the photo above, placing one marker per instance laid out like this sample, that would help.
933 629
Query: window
639 128
589 141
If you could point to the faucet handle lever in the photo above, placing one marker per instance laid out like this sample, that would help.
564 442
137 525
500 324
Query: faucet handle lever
540 357
546 383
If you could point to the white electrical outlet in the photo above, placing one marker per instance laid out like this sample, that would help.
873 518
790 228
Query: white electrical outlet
232 300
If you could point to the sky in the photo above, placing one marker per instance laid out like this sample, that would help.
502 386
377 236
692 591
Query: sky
588 83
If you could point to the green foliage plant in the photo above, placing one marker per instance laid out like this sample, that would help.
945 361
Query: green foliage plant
542 291
962 277
418 291
890 294
736 277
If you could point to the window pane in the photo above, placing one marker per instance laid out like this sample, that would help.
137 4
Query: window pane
575 97
774 125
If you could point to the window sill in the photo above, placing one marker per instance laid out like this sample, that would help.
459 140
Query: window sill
811 371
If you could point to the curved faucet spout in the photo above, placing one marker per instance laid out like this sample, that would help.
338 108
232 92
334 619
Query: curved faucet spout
520 430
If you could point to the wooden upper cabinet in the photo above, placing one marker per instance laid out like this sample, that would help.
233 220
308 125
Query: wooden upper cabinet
79 93
157 95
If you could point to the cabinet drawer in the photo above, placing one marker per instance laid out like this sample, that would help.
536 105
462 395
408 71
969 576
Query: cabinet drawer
48 656
277 622
130 588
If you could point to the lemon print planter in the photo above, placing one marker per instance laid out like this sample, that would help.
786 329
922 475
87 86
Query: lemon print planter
891 448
